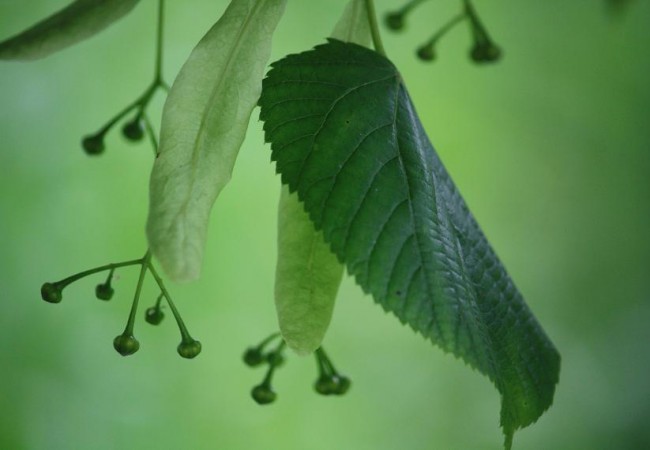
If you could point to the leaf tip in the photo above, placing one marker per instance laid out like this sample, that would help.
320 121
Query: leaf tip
507 442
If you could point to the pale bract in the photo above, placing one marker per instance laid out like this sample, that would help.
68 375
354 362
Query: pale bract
204 123
70 25
307 277
308 274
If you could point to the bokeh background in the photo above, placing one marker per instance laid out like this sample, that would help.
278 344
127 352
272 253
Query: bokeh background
551 148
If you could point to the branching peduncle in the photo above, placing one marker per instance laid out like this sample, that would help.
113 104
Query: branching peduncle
94 143
71 279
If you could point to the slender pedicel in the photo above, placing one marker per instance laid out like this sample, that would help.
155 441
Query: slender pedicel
396 20
263 393
189 347
426 51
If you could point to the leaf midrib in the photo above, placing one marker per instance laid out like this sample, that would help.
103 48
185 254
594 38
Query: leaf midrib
429 288
196 146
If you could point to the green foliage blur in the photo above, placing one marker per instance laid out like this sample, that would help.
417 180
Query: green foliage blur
550 147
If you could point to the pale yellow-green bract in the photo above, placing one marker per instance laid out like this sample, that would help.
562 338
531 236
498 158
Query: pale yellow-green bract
308 275
76 22
307 278
203 126
353 26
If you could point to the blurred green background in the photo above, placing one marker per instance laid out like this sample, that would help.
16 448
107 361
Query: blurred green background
551 148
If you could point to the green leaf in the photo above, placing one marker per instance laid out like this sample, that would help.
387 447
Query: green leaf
203 126
74 23
308 274
307 278
345 135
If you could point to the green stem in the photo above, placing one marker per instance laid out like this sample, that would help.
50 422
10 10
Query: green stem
110 276
142 102
151 133
479 31
269 376
85 273
185 335
159 40
322 368
128 331
445 28
159 300
326 362
267 340
410 5
374 28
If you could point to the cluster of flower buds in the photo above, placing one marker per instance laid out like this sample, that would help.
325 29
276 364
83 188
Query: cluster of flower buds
483 50
126 344
256 356
134 129
329 381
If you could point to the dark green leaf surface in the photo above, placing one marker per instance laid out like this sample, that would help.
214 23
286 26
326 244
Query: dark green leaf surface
78 21
345 135
308 275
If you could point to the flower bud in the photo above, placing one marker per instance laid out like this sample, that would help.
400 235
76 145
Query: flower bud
51 293
126 345
104 291
253 357
263 394
342 384
134 130
325 385
94 144
275 359
485 53
426 53
189 349
395 21
154 315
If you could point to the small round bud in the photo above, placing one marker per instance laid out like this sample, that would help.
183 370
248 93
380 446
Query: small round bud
426 53
342 384
395 21
104 291
154 315
485 53
493 53
134 130
126 345
189 349
263 394
51 293
325 385
253 357
93 145
275 359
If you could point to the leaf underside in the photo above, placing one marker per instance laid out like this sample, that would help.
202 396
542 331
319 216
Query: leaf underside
307 278
204 124
72 24
345 136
